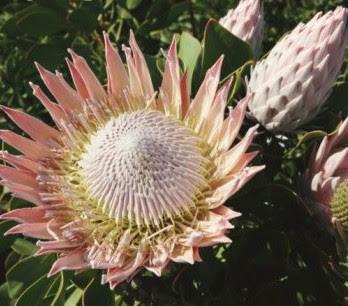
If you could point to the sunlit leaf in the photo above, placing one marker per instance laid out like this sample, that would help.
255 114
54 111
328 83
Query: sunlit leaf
218 41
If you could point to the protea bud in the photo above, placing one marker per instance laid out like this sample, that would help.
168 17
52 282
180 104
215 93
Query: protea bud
326 178
130 179
246 22
290 85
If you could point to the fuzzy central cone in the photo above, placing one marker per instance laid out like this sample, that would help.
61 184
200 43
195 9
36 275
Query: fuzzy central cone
142 167
339 204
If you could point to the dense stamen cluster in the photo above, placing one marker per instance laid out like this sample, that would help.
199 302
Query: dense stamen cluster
142 166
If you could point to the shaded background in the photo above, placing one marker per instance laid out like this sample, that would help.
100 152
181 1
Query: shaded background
278 257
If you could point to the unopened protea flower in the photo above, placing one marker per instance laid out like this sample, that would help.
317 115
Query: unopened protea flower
327 178
290 85
130 179
246 22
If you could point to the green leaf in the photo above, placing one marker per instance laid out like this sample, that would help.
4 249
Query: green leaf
34 295
24 247
11 260
176 11
10 28
217 41
84 19
132 4
97 294
6 241
189 51
338 100
4 297
54 4
40 21
82 279
152 63
22 274
159 9
56 291
39 54
74 298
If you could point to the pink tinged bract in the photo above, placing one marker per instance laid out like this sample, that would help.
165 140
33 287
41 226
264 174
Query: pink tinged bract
327 169
130 179
246 22
289 87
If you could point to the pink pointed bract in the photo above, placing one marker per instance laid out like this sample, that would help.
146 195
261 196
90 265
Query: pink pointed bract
130 178
326 171
246 22
289 87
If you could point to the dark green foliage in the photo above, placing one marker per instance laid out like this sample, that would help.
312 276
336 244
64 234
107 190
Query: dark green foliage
279 255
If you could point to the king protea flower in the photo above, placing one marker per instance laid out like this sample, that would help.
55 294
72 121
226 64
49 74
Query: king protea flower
130 178
246 22
289 86
327 178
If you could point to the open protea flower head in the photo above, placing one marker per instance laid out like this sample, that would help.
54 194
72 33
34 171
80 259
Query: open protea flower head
290 85
130 179
246 22
327 178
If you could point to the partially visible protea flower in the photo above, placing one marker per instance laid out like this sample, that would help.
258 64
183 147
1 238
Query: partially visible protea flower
327 178
290 85
130 179
246 22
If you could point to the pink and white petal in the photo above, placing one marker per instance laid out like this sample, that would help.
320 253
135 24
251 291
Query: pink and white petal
231 184
185 95
340 136
191 238
204 98
196 256
226 212
23 192
28 147
26 215
54 246
56 112
326 190
94 88
229 160
64 94
214 239
334 161
116 72
171 81
35 128
115 276
183 254
18 176
141 67
246 160
214 223
158 260
34 230
135 84
78 80
214 121
72 261
232 126
316 181
157 270
20 162
321 154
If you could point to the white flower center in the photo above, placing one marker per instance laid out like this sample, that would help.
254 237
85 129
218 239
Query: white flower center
142 167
